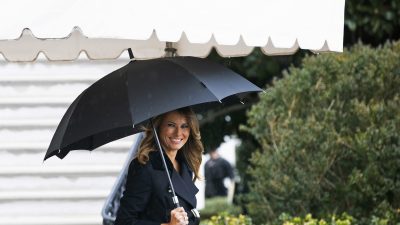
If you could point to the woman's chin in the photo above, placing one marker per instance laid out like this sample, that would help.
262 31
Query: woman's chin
175 147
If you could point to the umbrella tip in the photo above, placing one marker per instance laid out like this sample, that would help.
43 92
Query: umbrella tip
170 51
44 159
131 56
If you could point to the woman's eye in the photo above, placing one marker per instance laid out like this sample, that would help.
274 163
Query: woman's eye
185 126
171 125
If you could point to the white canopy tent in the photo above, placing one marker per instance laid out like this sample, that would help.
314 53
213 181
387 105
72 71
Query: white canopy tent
63 30
103 29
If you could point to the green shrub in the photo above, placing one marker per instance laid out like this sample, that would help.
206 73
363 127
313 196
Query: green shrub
225 218
330 138
216 205
343 219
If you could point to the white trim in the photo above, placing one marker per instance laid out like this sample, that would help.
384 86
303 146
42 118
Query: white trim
23 123
41 146
48 78
36 100
52 220
60 170
18 195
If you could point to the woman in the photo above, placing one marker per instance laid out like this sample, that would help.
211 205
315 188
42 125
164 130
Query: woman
147 199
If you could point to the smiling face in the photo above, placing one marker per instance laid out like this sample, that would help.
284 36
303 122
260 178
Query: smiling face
174 131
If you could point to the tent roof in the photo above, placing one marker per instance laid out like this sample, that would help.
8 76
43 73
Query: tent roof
63 29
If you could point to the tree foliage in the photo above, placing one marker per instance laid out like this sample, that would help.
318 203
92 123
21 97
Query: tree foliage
259 69
329 133
370 21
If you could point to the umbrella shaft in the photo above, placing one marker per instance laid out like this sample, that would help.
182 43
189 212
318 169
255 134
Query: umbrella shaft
174 197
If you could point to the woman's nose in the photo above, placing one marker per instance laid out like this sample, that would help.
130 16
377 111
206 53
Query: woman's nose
178 130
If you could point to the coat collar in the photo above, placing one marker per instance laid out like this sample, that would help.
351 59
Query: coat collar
183 184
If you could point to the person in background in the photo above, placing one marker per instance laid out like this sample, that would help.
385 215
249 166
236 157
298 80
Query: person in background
216 170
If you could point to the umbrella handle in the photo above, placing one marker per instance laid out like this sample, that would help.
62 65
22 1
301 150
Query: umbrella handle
174 197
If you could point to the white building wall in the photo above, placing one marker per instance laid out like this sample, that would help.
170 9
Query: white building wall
33 99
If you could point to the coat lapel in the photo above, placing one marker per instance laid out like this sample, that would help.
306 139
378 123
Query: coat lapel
183 184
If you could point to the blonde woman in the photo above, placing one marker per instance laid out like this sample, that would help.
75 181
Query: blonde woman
147 199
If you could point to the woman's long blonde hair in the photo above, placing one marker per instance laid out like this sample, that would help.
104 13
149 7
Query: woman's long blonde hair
192 150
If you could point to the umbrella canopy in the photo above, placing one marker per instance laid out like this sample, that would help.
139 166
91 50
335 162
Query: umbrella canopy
107 28
116 105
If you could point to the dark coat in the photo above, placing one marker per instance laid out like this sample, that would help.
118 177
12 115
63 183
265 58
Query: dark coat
215 171
147 199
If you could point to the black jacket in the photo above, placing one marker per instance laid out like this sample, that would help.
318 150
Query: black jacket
147 199
215 171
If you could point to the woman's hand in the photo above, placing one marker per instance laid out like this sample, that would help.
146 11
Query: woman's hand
179 217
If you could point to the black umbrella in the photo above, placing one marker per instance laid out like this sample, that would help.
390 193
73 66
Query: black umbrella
117 104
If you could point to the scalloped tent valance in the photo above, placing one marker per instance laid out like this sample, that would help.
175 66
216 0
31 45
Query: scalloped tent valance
104 29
